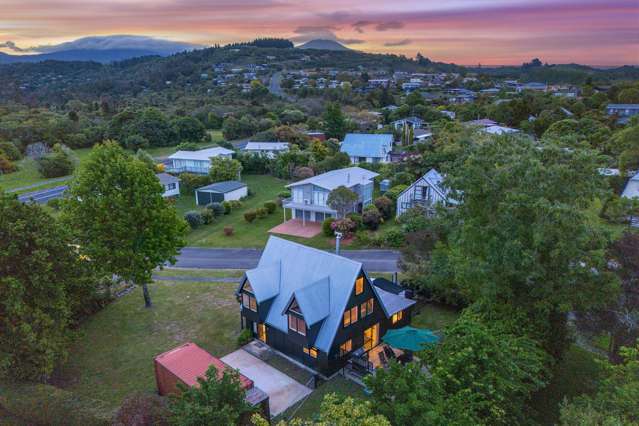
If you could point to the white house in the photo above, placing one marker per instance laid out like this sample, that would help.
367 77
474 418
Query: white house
196 161
268 149
498 130
412 122
632 188
425 192
368 147
171 184
220 191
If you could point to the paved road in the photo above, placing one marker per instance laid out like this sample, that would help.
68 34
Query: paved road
221 258
44 195
35 185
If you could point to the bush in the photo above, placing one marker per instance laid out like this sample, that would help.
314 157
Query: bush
189 182
235 204
6 165
250 216
327 228
143 409
371 219
227 207
270 206
345 226
54 203
59 162
216 208
284 194
261 212
385 206
394 192
207 217
187 146
10 150
136 142
193 218
245 337
249 192
357 218
229 230
303 172
394 238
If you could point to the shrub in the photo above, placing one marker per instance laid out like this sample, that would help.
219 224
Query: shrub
357 218
250 216
394 192
216 208
136 142
193 218
245 337
345 226
270 206
227 207
385 206
371 219
394 238
6 165
235 204
143 409
303 172
327 226
249 192
261 212
59 162
189 182
229 230
54 203
187 146
284 194
207 217
11 150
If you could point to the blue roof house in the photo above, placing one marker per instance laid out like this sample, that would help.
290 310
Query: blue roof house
318 307
367 147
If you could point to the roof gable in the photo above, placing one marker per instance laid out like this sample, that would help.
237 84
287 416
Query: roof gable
265 281
347 177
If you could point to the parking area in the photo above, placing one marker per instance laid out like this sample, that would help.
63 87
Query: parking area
296 228
282 390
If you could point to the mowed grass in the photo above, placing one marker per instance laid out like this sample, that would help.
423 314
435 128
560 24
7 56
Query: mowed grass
265 188
433 316
114 351
199 273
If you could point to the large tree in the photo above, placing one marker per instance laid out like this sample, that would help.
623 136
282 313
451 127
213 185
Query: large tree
44 285
116 209
521 241
224 169
334 121
343 200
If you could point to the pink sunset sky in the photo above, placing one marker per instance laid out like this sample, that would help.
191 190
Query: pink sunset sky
490 32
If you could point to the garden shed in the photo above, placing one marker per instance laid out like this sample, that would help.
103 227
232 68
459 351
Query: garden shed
220 191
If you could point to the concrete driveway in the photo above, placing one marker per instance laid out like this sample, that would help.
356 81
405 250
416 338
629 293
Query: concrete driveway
281 389
296 228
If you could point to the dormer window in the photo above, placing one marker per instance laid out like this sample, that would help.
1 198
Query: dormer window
295 308
359 286
297 324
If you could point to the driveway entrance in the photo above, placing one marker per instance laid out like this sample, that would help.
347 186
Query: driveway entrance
282 391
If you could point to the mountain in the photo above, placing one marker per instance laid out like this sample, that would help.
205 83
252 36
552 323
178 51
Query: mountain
101 49
323 45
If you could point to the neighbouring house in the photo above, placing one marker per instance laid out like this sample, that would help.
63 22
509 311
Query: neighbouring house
170 183
632 188
623 111
196 161
316 134
412 122
268 149
220 191
449 114
367 147
317 307
186 363
482 122
420 135
425 192
498 130
309 197
539 87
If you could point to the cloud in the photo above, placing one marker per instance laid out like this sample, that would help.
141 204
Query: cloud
359 25
12 46
311 32
392 25
403 42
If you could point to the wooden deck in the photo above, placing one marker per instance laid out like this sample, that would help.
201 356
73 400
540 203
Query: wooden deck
374 355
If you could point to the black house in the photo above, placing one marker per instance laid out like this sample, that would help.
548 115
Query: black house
317 307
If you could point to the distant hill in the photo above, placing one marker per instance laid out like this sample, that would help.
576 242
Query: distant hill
323 45
102 49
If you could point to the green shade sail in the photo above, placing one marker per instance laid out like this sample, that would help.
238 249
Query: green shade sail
410 338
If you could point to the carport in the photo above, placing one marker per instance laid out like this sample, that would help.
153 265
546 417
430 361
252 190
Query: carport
220 191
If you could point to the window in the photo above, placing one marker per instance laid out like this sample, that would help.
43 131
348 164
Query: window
397 317
359 285
297 324
366 308
345 347
312 352
170 187
350 316
249 302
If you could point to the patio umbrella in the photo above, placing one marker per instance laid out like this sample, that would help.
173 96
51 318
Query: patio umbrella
410 338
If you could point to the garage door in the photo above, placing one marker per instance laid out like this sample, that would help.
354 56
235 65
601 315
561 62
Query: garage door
204 198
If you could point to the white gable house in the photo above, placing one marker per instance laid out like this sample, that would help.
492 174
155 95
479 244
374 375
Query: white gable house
425 192
196 161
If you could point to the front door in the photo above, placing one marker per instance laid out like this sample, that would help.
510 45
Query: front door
261 332
371 337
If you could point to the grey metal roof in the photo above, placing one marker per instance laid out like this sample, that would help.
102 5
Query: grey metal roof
223 187
433 179
203 154
316 276
367 145
347 177
166 178
623 106
392 303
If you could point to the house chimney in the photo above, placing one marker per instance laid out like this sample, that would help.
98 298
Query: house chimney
338 237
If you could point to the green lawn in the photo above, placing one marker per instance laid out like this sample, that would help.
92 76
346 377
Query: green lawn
113 354
255 234
199 273
433 316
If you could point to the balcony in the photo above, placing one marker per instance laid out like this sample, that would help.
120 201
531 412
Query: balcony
188 169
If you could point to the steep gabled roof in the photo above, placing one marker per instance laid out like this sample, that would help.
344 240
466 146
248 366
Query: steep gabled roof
265 281
347 177
321 282
433 179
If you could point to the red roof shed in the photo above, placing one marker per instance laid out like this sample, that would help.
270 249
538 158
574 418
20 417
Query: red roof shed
185 364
